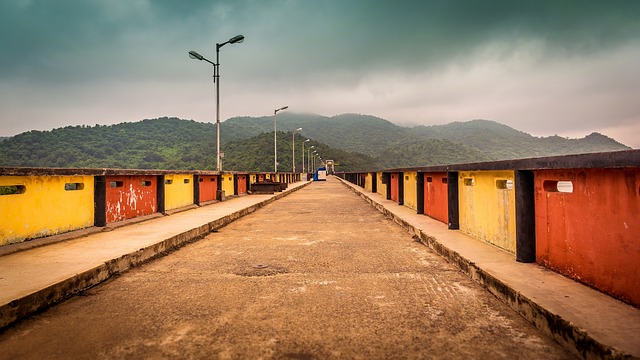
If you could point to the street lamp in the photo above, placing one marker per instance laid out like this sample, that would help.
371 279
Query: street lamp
309 158
275 139
315 158
293 150
216 79
303 154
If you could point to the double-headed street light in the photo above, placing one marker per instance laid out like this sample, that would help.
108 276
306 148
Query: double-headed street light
216 79
293 150
303 154
275 139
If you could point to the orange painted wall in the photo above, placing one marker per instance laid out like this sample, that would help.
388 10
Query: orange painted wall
242 184
208 188
592 234
394 187
436 203
130 196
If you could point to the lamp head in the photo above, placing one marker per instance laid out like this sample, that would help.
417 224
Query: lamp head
195 55
236 39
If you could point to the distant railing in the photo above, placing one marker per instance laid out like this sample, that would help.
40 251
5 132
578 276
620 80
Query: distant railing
578 214
39 202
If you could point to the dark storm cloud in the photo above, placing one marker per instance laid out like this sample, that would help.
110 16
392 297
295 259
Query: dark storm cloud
411 61
318 36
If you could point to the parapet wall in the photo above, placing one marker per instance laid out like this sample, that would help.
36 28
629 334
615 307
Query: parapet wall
578 215
40 202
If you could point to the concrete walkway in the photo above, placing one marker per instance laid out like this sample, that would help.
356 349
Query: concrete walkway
319 274
590 323
36 278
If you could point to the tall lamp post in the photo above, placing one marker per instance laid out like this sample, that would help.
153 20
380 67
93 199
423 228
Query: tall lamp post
293 150
315 157
309 158
303 154
275 139
216 79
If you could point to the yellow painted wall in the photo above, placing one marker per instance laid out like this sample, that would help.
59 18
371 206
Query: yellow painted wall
486 211
253 178
410 190
227 184
368 181
45 208
178 194
381 187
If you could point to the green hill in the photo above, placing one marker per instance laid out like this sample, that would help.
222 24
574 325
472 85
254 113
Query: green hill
500 142
356 142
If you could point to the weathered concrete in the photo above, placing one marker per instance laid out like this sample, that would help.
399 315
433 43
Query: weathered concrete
318 274
589 323
36 278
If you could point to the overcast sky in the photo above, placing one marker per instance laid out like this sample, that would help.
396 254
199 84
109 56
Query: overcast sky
566 67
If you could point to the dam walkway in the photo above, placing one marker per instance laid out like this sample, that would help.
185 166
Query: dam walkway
318 273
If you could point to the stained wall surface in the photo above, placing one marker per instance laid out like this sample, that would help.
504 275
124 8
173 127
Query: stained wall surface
130 196
178 191
591 234
242 183
394 187
208 187
410 190
227 184
47 205
487 207
381 187
436 197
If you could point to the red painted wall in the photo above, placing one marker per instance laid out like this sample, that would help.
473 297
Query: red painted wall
242 184
208 188
436 203
260 177
394 187
130 196
592 234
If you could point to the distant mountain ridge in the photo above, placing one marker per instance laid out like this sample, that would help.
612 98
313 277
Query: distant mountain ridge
358 142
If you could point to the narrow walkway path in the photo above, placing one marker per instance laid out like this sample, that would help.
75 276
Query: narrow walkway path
317 274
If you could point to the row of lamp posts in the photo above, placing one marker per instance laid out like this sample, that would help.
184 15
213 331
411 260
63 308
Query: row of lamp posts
216 79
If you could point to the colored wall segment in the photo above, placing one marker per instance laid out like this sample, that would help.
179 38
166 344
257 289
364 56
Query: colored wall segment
46 206
208 187
227 184
368 182
178 191
242 183
592 233
436 203
410 190
130 196
394 187
487 207
381 187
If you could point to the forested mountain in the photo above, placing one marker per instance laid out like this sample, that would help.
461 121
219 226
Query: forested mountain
501 142
356 142
352 132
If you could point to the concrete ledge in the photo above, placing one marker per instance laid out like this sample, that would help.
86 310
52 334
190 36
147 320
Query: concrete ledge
29 304
570 334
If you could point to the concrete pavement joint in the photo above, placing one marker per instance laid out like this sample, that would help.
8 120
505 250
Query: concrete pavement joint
569 335
30 304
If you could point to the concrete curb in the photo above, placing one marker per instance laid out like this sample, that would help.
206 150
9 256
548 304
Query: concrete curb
35 302
569 335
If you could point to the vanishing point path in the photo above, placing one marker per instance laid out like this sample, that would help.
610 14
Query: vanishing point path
317 274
